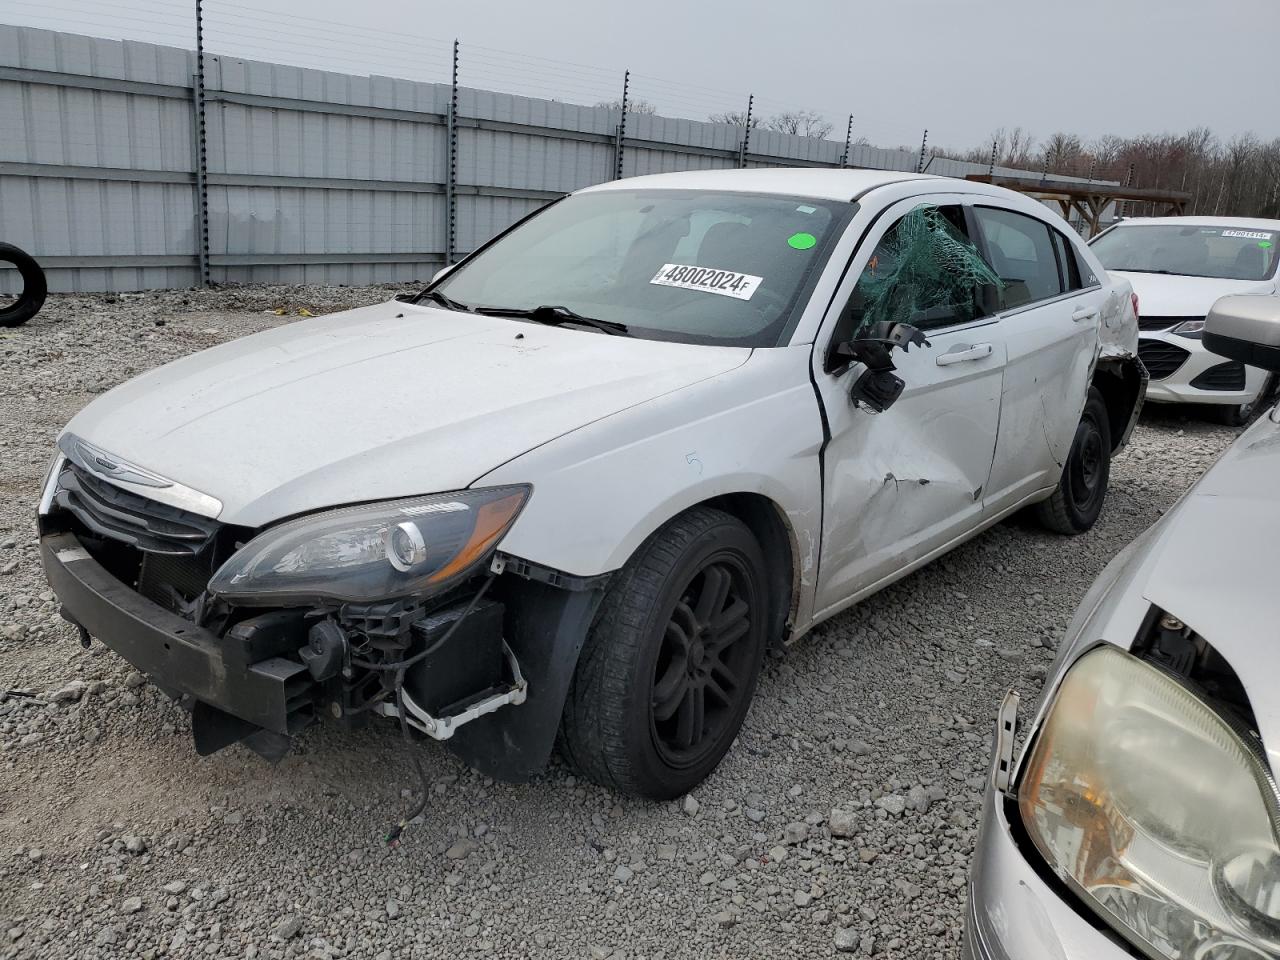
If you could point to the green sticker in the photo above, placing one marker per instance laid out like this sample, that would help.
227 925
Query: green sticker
1265 244
802 241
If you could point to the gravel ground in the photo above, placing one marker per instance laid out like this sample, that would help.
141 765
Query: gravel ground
841 822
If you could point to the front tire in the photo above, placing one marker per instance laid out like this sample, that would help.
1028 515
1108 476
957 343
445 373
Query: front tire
1077 502
1242 414
669 668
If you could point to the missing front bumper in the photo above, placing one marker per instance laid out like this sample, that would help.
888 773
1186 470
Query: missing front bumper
243 674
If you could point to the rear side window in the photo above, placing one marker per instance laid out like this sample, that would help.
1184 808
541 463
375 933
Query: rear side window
1022 252
1067 265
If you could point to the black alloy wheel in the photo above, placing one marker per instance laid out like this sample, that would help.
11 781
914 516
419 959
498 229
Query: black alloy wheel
703 662
668 670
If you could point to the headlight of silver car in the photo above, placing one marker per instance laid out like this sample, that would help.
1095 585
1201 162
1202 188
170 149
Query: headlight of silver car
399 548
1158 811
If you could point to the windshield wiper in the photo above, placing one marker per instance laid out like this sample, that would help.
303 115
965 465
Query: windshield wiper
555 316
1167 273
435 296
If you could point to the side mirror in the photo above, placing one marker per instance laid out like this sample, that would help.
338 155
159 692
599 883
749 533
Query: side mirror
442 273
1245 328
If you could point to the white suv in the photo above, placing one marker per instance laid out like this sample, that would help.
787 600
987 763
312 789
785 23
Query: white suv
581 482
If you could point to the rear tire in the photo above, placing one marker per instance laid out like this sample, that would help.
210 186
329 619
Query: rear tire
1077 502
34 287
669 668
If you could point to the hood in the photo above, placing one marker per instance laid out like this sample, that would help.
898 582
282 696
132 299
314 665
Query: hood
392 400
1210 562
1160 295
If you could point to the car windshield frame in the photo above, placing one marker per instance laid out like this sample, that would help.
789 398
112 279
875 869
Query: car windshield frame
777 332
1187 231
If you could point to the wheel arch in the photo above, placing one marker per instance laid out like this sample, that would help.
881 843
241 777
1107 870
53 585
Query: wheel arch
769 525
1122 381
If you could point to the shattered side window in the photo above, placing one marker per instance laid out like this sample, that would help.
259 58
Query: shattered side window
924 271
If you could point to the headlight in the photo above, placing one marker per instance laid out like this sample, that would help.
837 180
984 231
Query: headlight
1189 328
358 554
1157 811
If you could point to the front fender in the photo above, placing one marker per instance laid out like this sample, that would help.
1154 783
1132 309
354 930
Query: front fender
600 491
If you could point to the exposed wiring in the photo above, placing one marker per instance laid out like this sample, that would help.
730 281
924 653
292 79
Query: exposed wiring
399 668
393 835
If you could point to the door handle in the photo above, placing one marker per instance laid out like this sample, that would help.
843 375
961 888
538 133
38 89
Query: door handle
978 351
1084 313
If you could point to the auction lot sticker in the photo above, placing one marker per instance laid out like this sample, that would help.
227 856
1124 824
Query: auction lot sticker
1248 234
725 283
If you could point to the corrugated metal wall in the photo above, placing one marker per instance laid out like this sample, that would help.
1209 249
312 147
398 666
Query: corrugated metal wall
312 176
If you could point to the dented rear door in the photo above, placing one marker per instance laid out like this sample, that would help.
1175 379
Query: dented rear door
901 484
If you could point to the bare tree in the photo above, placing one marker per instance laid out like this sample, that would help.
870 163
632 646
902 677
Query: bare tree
1238 178
1014 146
633 106
1105 151
799 123
737 118
1061 153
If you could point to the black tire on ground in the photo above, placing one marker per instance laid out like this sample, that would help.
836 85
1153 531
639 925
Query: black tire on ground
670 665
33 287
1077 502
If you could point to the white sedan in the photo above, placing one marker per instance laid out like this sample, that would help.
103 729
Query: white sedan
581 482
1178 267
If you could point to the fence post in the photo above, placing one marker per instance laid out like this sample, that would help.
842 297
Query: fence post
923 141
991 170
746 133
622 127
201 153
451 168
848 144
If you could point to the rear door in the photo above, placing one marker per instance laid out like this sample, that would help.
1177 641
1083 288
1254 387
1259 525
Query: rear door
899 484
1048 320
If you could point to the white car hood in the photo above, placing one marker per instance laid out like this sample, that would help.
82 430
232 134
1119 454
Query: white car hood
386 401
1160 295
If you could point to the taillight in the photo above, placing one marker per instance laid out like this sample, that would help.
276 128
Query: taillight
1135 305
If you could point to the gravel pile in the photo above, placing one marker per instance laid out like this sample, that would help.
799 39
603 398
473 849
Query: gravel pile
841 822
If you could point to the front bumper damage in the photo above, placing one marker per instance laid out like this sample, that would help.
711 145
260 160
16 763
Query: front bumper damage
492 693
244 674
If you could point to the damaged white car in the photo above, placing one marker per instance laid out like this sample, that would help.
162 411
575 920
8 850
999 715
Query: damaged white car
580 484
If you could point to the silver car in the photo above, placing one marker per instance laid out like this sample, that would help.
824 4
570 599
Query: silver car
1142 817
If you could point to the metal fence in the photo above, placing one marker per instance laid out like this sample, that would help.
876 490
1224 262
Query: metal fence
309 176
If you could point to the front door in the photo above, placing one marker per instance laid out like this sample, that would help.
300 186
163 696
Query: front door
900 484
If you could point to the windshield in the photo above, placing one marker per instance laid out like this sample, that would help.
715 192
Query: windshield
1225 252
722 268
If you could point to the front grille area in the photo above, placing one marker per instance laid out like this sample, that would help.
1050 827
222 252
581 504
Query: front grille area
1161 359
109 511
1223 376
1162 323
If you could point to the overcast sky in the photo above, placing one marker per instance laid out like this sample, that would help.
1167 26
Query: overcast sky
961 68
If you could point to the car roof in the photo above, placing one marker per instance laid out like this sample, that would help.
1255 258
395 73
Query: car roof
821 184
1255 222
